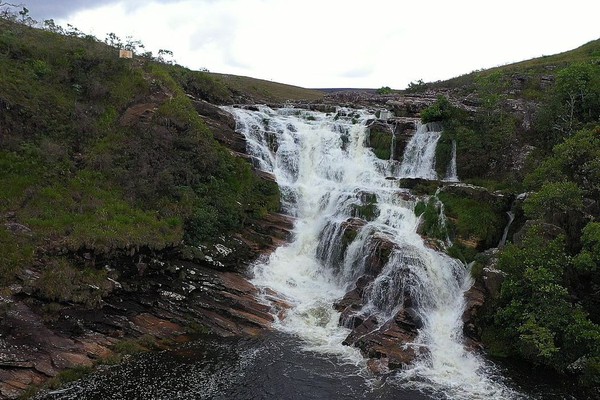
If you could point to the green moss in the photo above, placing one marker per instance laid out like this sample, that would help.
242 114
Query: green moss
430 220
367 209
473 219
62 282
135 346
381 143
443 154
465 254
420 187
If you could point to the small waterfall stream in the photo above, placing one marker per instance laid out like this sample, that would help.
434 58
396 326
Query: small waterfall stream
326 174
451 173
419 155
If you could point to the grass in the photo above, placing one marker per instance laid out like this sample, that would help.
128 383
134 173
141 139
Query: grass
472 219
531 69
79 179
266 91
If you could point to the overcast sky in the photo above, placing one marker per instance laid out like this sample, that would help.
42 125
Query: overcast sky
338 43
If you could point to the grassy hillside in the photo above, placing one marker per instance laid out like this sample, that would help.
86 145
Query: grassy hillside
265 91
530 70
102 158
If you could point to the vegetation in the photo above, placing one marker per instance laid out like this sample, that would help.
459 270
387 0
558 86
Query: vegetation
477 220
107 156
548 311
535 316
381 143
384 90
243 87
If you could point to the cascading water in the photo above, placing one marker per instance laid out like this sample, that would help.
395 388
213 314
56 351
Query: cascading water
419 155
451 173
328 178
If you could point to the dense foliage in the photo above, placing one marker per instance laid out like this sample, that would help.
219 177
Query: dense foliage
548 311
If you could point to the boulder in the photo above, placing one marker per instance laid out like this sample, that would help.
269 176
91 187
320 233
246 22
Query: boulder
388 340
475 298
548 231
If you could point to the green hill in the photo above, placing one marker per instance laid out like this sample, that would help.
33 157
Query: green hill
530 70
108 157
260 90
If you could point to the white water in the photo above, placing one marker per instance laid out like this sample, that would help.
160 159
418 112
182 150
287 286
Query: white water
419 155
451 173
325 172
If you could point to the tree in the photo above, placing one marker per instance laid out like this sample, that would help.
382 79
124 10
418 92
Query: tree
113 40
384 90
440 111
165 56
417 86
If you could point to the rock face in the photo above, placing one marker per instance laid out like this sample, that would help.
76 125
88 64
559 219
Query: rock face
222 125
388 138
164 300
380 340
161 304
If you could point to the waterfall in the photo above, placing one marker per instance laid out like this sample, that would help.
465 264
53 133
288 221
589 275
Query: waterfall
511 218
451 174
419 155
330 180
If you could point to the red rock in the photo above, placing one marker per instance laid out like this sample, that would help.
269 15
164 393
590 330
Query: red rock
62 360
157 327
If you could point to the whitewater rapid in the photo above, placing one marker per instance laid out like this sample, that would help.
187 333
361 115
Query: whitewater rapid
325 173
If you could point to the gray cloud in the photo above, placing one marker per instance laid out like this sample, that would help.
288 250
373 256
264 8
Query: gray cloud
55 9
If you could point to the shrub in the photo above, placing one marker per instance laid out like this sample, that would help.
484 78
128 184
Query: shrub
552 198
535 317
384 90
440 111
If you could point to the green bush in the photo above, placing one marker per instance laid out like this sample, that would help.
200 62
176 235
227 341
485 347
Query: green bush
535 317
474 219
440 111
588 260
577 160
552 198
384 90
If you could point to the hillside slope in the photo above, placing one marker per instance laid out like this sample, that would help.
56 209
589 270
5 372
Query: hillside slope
118 201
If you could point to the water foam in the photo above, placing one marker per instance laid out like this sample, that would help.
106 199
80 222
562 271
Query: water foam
325 172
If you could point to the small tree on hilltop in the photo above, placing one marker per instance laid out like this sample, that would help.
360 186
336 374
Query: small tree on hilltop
384 90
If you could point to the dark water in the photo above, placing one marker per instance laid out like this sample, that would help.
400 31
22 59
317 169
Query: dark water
271 367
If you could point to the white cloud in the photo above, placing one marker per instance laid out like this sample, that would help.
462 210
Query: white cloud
334 43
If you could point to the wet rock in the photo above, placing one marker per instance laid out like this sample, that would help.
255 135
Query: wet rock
382 248
389 341
352 302
492 281
499 201
324 108
475 298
